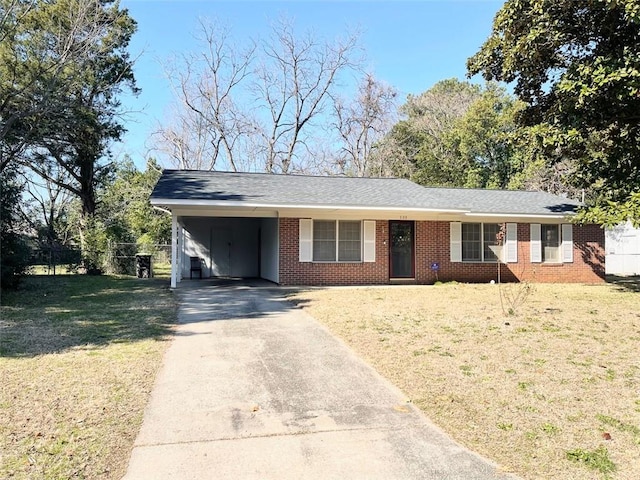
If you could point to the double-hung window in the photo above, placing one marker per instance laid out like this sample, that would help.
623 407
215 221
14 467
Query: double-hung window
551 243
477 240
337 240
349 244
490 232
471 242
324 241
550 238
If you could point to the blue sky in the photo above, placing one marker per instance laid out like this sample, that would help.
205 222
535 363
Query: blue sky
409 44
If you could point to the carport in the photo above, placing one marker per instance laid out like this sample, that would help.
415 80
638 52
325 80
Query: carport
230 228
229 244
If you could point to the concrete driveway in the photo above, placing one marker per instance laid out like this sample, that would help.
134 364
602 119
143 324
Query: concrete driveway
253 388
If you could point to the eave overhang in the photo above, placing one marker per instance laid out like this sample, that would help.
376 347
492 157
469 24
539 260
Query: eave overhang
227 208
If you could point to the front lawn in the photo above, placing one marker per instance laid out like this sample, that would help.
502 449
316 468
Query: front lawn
78 358
550 391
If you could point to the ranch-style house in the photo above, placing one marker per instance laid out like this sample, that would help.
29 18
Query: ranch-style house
310 230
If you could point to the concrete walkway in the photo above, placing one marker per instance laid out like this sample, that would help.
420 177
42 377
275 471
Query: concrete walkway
253 388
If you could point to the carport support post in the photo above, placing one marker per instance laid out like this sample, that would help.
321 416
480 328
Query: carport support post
174 250
180 252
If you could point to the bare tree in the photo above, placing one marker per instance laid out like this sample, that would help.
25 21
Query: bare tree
388 159
294 83
187 141
46 204
209 126
362 124
249 108
553 176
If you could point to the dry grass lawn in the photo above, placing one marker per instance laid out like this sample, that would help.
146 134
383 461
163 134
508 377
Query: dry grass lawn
78 357
552 391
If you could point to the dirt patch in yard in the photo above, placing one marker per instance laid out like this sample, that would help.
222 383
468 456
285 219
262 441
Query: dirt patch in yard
552 391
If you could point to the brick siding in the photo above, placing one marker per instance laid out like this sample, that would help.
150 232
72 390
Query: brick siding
432 246
294 272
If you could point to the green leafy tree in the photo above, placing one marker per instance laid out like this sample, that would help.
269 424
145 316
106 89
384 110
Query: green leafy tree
421 136
544 169
46 47
125 206
14 252
576 65
92 112
124 217
33 65
611 213
482 139
459 134
63 65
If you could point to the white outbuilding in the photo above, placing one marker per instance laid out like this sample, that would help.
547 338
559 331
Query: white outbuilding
622 246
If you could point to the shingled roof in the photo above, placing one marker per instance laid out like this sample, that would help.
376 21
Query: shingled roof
265 190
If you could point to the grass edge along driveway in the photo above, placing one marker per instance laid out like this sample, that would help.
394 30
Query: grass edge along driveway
78 358
552 391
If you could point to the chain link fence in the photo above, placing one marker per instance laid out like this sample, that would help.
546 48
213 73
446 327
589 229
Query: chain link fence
119 259
55 260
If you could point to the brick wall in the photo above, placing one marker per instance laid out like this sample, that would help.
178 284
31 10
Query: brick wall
588 258
293 272
432 246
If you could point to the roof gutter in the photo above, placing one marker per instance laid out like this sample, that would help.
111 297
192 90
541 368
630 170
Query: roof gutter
275 206
521 215
161 209
278 206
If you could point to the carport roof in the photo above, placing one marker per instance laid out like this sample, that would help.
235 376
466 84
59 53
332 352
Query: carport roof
227 189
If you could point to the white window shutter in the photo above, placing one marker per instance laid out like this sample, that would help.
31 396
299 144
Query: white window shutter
306 240
536 244
567 243
455 244
511 243
369 254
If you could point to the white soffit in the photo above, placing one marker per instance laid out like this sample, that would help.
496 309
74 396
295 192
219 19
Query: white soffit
247 206
209 208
